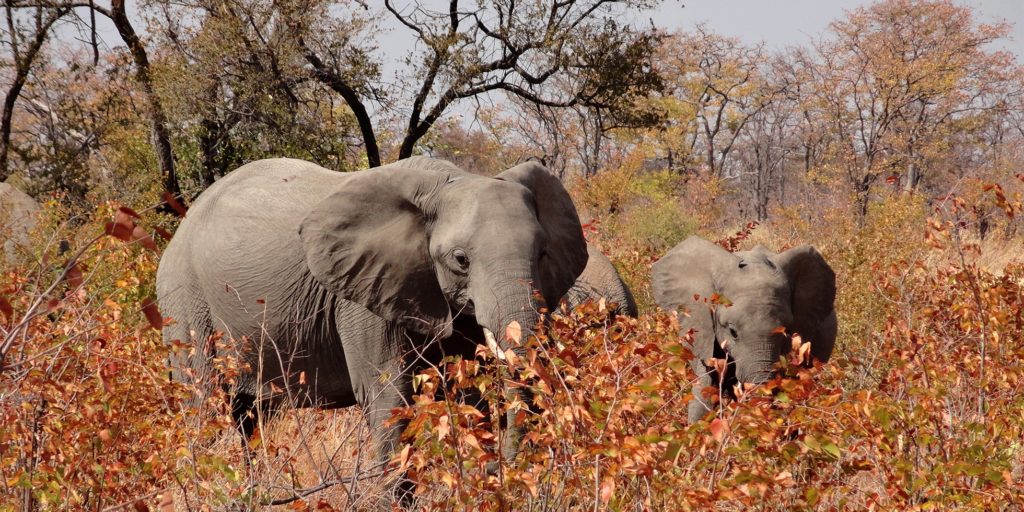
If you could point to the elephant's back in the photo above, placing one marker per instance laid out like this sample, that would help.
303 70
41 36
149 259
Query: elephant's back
239 248
272 188
255 210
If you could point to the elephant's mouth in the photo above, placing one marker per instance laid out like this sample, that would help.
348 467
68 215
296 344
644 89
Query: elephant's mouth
722 369
723 374
464 307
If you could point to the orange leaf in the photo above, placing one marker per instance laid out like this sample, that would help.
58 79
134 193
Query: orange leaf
804 354
6 309
471 440
719 428
152 313
166 502
403 458
607 489
443 427
513 332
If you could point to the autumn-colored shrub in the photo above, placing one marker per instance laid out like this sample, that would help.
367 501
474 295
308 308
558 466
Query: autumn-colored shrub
927 420
918 409
86 402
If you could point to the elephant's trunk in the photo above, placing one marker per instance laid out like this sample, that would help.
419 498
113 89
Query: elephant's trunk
757 366
509 302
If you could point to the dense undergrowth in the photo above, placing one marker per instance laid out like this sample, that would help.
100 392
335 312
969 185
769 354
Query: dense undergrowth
920 407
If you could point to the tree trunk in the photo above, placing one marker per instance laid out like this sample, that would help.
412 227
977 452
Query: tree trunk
157 118
913 172
208 146
5 122
327 76
409 142
863 197
23 65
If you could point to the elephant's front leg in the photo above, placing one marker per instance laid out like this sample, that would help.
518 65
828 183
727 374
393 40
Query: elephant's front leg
378 357
700 406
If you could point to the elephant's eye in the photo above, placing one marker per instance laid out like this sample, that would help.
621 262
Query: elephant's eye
461 259
732 332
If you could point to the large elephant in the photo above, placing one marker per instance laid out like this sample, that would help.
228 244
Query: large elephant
758 293
601 280
340 286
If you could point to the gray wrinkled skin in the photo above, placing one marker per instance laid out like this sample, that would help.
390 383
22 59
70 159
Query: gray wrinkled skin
337 287
794 290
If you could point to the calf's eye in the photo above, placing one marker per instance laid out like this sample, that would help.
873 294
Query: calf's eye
461 258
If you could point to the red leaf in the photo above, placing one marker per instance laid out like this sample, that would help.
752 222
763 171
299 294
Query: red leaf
143 238
129 212
152 313
166 235
74 276
122 226
174 203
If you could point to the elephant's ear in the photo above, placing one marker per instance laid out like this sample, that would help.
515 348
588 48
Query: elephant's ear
367 242
813 285
565 251
691 269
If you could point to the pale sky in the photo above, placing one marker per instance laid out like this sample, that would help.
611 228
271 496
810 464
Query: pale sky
781 23
777 23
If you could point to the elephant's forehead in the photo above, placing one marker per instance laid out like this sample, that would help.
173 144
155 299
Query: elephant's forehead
485 198
757 279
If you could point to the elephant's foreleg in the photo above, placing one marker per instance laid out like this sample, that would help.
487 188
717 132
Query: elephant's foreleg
377 357
381 393
699 406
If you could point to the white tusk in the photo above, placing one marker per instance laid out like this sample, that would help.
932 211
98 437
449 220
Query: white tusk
493 344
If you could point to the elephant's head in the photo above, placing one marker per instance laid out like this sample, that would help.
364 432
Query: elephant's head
421 241
762 297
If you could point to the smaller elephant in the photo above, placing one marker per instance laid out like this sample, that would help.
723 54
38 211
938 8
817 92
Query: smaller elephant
600 280
762 297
